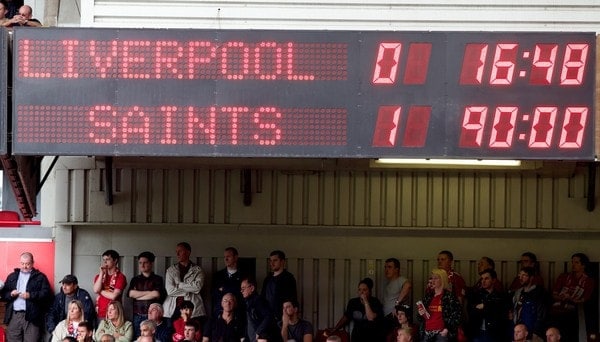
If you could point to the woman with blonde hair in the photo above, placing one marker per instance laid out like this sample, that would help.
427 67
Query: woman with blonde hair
115 324
440 312
68 326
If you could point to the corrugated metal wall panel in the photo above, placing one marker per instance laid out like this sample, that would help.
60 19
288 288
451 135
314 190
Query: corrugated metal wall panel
499 203
172 196
156 189
360 208
513 204
218 196
529 203
78 208
186 203
139 199
331 198
122 206
437 200
346 14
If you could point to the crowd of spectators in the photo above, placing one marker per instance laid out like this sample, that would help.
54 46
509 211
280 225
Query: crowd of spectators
172 309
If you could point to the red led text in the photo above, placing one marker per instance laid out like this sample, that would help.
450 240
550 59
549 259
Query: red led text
388 126
183 125
543 64
542 131
388 60
181 60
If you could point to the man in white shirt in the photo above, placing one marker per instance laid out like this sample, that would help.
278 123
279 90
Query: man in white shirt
184 281
228 280
396 287
396 290
27 292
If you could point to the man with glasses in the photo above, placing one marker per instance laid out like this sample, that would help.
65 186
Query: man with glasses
261 322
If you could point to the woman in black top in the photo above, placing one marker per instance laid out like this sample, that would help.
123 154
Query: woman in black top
366 312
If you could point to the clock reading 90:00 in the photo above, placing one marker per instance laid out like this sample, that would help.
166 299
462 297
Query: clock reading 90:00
543 127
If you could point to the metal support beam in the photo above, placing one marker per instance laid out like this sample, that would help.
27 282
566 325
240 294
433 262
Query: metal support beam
23 173
108 180
47 174
247 186
591 190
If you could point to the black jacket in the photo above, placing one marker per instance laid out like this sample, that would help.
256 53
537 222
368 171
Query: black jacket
57 312
278 289
222 284
260 319
494 312
38 302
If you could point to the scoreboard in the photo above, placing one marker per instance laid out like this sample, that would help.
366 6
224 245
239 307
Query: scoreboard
314 94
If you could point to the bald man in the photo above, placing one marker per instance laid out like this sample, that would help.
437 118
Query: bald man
520 333
27 293
23 18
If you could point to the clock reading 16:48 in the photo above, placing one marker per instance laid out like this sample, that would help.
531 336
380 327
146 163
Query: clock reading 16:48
326 94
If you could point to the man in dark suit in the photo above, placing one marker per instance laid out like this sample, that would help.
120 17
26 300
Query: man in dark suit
27 293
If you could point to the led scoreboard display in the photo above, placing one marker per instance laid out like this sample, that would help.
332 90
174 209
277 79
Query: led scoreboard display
329 94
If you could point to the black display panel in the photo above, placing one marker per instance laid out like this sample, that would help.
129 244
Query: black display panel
331 94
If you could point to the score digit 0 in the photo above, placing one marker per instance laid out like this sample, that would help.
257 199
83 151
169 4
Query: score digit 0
388 59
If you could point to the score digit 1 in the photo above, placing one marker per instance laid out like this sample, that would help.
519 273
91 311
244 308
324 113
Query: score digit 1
388 125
